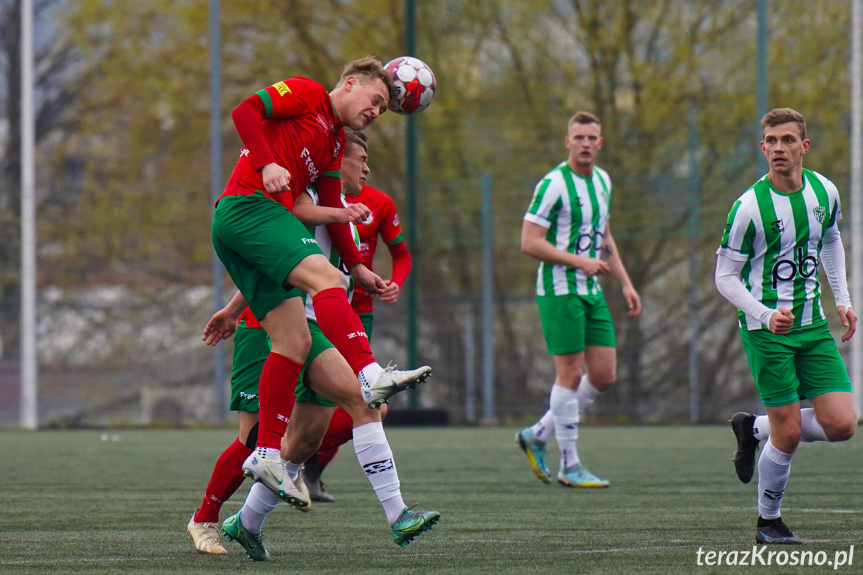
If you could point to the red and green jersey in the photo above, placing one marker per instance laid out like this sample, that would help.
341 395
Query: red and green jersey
294 124
383 222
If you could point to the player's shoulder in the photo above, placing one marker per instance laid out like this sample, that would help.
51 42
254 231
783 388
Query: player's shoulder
556 176
602 174
822 179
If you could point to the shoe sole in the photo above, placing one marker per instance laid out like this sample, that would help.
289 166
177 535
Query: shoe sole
283 495
742 468
377 403
534 465
428 525
583 485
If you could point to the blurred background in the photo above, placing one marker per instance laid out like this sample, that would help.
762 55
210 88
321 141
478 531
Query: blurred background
125 278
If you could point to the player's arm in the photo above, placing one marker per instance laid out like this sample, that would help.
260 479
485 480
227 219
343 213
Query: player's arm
833 260
310 214
223 324
402 263
534 244
728 281
329 195
618 270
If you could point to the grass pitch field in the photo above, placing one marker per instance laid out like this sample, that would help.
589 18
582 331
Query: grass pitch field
119 501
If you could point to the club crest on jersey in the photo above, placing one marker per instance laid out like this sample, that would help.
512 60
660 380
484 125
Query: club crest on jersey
282 88
336 149
820 213
777 227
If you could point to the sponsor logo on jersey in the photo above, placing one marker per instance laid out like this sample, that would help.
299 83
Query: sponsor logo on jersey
777 227
591 240
309 241
787 270
306 156
324 125
396 220
820 213
282 88
244 152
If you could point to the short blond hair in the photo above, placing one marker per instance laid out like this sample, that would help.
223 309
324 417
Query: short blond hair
369 68
779 116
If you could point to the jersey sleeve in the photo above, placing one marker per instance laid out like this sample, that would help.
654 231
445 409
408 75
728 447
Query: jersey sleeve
389 230
546 200
739 234
330 195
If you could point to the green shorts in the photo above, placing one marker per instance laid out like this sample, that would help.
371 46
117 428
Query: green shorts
259 243
368 321
320 344
800 365
572 322
251 347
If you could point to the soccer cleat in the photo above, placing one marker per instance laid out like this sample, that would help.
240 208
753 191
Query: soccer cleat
253 543
300 486
390 381
410 524
205 535
312 476
535 451
775 532
744 458
272 473
578 476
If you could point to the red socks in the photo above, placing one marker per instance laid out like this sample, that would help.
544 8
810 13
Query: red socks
342 327
276 398
338 433
227 478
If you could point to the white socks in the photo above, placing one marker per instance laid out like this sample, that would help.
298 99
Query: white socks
810 429
259 502
773 469
586 394
564 409
368 374
376 458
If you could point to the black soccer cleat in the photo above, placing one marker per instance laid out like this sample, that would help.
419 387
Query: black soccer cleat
744 458
775 532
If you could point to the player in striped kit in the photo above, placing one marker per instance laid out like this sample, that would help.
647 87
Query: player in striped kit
566 229
778 233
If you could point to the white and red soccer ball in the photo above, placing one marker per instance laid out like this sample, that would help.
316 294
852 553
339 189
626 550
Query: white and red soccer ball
415 85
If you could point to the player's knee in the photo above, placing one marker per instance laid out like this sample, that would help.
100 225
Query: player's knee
604 382
841 431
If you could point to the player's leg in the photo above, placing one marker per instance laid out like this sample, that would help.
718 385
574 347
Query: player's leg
260 242
332 378
250 352
338 433
325 284
772 362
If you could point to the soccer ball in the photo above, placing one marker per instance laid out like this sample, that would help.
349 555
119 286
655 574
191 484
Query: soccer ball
415 85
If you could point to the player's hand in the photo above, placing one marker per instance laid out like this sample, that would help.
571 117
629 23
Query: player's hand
353 214
780 321
849 320
390 294
371 282
591 266
221 326
633 301
276 178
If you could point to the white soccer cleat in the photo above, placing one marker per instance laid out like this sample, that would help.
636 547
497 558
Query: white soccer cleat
272 473
205 535
390 381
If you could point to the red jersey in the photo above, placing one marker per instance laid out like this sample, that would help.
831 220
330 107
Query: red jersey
383 222
294 124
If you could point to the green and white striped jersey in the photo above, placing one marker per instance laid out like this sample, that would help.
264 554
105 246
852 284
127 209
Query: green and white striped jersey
779 237
575 211
322 236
